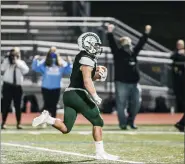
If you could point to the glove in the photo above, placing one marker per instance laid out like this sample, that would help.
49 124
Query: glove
103 75
97 99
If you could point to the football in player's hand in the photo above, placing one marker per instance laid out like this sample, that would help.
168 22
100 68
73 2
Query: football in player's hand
100 72
101 69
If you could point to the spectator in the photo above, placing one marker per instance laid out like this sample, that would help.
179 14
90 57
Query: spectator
178 66
14 68
52 69
32 99
128 92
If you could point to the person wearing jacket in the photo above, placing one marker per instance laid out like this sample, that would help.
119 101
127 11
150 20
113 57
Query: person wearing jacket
52 69
178 70
128 92
14 69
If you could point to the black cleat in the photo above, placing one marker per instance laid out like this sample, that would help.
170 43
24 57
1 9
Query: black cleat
3 126
123 127
19 127
179 127
133 127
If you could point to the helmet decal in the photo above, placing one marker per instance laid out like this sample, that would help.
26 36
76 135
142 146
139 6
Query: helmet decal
89 42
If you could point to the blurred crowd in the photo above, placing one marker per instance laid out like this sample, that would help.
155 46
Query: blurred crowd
53 67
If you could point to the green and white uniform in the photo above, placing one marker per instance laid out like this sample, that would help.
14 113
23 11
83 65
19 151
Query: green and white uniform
76 98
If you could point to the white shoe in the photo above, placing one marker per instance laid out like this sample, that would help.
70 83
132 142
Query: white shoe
40 119
104 155
44 125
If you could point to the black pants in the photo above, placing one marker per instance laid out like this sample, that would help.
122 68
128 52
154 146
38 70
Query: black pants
11 92
180 98
51 98
182 120
179 90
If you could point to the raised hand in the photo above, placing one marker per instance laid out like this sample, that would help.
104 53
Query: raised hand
148 29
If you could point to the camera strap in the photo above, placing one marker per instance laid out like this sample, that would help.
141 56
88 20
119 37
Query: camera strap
14 76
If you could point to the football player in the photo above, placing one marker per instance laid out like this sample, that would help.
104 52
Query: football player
81 96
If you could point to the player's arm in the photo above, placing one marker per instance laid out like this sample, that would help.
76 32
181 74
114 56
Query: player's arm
88 83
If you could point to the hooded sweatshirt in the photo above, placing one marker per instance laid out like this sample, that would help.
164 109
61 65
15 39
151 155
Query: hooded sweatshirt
51 76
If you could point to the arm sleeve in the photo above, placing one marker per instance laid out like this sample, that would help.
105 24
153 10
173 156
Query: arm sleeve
177 57
141 43
112 43
87 61
181 58
5 64
22 66
38 66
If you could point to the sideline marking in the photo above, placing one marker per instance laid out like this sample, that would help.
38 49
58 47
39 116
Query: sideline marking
87 132
62 152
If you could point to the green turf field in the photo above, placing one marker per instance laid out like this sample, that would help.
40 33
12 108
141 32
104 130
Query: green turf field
149 144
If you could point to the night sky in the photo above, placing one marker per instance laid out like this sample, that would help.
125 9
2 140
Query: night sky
166 18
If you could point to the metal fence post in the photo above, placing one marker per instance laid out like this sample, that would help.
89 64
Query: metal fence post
28 29
34 74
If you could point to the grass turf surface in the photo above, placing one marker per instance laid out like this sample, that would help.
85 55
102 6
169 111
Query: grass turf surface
147 148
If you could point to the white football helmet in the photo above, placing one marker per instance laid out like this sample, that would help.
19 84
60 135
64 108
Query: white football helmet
90 42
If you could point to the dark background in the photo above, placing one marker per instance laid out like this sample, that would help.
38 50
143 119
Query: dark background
167 18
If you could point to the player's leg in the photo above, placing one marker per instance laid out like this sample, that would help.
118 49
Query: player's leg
90 111
69 120
93 115
63 126
69 116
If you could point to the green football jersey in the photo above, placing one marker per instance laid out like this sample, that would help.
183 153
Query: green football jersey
83 58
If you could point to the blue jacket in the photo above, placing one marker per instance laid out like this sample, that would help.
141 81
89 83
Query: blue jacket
51 76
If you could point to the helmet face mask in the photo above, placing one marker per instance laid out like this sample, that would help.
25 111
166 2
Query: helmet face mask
90 42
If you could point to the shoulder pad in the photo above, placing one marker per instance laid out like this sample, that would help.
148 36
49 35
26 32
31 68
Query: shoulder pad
87 61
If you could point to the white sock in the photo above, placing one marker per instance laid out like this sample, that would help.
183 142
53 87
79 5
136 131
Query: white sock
51 120
99 146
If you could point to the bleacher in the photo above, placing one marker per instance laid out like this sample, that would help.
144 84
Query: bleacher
39 29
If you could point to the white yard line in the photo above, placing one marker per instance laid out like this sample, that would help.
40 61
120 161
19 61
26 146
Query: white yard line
87 132
61 152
